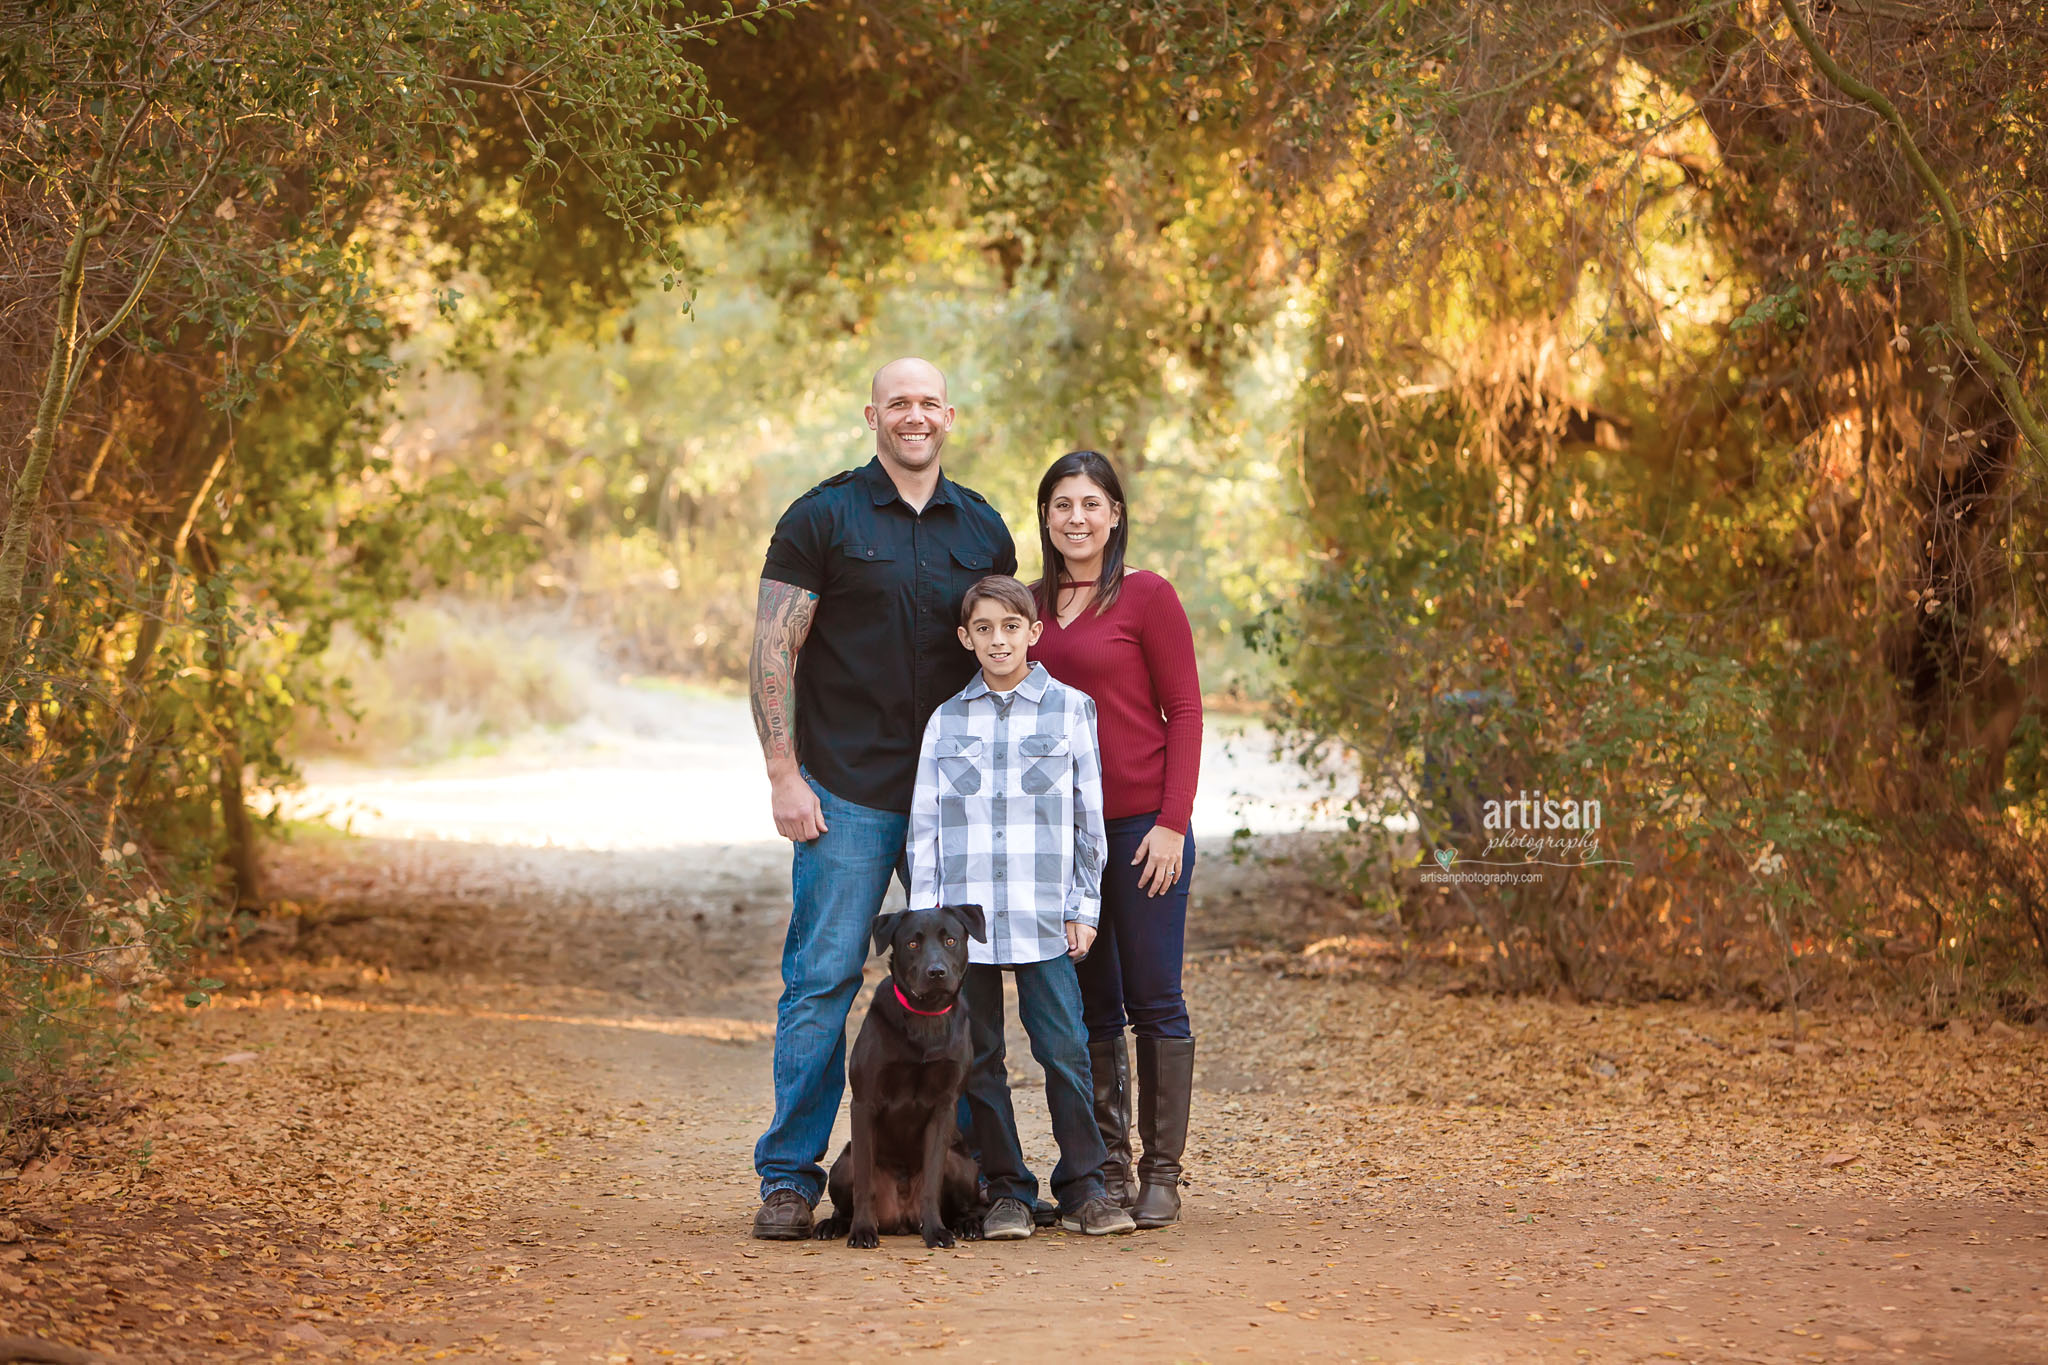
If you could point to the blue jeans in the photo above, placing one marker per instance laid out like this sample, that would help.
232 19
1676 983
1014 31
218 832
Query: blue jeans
837 882
1133 970
1049 1007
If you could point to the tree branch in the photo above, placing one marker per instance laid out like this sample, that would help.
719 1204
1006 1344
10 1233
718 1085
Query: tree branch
142 279
1953 227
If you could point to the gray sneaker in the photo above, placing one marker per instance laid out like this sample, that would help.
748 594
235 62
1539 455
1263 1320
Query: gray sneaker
1007 1220
1099 1218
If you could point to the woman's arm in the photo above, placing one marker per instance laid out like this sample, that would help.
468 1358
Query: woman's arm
1168 642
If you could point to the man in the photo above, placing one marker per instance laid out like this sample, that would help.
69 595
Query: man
854 648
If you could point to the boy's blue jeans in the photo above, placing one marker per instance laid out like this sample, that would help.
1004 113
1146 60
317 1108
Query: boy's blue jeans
837 882
1049 1007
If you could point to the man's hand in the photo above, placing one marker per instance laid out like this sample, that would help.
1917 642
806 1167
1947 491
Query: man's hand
798 815
1080 938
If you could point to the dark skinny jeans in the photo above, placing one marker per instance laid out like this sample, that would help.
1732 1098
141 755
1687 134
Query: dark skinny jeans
1132 971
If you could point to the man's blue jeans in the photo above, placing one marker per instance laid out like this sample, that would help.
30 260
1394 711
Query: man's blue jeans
1049 1007
837 882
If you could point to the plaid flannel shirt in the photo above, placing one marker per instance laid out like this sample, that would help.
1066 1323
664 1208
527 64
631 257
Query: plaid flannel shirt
1007 814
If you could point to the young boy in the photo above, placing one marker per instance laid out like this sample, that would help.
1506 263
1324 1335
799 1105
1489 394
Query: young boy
1007 814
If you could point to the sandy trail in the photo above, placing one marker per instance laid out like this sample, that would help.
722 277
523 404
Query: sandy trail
495 1101
652 769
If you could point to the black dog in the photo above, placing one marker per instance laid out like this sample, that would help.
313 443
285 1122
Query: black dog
907 1168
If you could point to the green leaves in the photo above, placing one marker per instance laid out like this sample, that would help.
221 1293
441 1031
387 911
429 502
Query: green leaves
1782 308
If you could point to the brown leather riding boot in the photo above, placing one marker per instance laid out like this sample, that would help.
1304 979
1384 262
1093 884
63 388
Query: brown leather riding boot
1110 1064
1166 1081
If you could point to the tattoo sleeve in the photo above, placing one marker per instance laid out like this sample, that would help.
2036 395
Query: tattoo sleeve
782 622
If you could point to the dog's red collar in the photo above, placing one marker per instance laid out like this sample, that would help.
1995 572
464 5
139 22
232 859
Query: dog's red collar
904 1001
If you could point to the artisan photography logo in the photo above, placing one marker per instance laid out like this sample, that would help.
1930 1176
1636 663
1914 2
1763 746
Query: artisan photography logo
1541 824
1530 830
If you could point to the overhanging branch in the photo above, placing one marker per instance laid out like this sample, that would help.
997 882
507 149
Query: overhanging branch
1953 228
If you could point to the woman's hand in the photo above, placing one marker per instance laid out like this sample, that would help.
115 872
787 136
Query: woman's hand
1158 860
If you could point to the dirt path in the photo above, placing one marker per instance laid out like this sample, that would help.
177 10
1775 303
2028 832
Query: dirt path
498 1104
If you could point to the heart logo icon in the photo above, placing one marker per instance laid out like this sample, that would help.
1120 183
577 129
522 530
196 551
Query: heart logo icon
1446 856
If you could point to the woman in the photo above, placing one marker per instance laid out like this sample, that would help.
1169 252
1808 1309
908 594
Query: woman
1121 636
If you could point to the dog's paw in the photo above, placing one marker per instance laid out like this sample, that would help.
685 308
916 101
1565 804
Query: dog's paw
829 1228
941 1236
863 1238
968 1229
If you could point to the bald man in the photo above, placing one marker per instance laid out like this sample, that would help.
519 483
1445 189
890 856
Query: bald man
854 648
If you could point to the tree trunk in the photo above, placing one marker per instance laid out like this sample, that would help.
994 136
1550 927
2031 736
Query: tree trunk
26 494
67 353
237 829
116 784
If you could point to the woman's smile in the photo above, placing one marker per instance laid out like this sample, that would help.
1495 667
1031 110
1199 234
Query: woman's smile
1081 516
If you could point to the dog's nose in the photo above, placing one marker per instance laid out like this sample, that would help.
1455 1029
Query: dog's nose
935 971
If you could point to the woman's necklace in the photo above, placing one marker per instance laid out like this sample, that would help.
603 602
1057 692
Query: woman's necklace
1080 606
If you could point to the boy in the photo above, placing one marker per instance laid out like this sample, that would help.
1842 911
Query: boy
1007 814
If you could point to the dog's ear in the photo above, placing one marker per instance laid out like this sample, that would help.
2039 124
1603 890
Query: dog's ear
885 929
976 922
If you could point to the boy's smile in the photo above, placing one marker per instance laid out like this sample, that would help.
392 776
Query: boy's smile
1001 639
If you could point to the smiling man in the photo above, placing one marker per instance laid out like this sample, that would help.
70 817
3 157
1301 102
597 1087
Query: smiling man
854 648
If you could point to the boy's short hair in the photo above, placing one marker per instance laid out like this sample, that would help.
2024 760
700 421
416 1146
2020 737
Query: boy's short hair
1004 591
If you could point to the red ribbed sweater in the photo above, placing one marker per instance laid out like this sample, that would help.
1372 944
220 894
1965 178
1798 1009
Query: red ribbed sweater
1137 660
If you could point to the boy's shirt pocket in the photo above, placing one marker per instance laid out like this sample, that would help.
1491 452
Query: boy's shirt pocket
1044 762
960 761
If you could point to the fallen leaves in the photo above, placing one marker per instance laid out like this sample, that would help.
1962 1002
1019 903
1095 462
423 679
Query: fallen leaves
1405 1082
323 1143
309 1185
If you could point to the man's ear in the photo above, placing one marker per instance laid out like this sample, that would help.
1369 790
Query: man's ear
973 919
1037 629
871 415
966 640
885 929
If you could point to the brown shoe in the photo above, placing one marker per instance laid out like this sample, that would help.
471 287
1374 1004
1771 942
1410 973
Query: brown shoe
785 1216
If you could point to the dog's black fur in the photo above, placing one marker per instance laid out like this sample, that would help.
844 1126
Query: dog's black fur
907 1168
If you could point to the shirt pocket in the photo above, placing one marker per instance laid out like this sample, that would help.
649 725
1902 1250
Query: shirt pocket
970 566
1046 760
867 569
959 758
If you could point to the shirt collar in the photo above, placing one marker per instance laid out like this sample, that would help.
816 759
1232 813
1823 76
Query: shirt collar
882 489
1032 688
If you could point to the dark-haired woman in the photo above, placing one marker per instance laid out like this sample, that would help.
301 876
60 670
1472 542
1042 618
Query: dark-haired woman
1122 636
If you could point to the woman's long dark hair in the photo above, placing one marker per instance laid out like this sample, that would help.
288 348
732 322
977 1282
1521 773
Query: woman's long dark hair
1096 468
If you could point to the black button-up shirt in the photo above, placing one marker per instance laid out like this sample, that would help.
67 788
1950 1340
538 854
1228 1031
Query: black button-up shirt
882 652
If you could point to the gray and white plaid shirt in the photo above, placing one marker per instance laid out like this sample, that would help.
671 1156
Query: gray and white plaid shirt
1007 814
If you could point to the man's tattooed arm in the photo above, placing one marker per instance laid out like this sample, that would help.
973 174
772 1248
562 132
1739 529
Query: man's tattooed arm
782 622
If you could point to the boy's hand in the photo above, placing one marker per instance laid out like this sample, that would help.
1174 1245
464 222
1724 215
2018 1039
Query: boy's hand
1080 938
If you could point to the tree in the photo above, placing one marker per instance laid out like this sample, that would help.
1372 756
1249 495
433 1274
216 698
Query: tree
202 202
